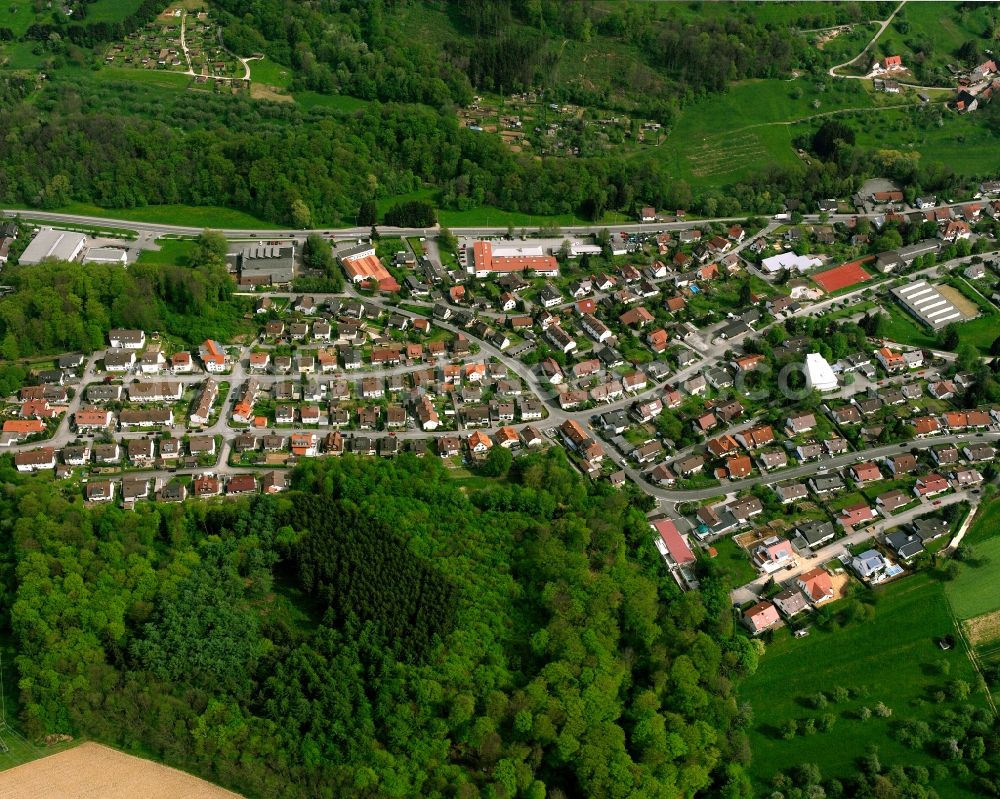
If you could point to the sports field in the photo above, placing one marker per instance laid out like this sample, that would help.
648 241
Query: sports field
843 276
892 658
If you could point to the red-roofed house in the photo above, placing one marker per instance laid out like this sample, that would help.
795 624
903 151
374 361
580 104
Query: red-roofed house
761 617
24 427
865 472
658 339
817 585
671 544
856 515
931 485
739 467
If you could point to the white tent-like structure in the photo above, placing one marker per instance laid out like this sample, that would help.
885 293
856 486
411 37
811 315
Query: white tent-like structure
819 373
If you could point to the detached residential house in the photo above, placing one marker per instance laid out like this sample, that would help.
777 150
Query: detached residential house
931 485
817 585
127 339
865 472
213 356
671 544
791 602
814 534
756 437
855 516
761 617
803 423
870 566
772 554
34 460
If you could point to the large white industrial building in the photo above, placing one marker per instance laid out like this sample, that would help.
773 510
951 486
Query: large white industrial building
60 245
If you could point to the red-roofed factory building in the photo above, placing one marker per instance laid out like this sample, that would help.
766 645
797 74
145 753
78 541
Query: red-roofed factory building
486 261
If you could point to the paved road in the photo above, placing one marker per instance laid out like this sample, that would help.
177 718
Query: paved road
836 549
882 26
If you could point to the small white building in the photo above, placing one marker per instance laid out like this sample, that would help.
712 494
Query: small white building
790 261
105 255
819 373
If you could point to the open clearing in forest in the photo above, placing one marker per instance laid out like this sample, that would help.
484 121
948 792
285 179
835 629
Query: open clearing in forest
93 771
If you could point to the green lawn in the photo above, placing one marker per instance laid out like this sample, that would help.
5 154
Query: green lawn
987 524
273 74
172 251
974 591
186 215
893 658
734 561
336 102
904 329
150 77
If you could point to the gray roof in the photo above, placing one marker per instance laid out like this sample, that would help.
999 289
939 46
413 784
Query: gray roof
63 245
814 533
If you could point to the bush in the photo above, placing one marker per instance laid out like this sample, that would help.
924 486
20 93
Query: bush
413 213
864 713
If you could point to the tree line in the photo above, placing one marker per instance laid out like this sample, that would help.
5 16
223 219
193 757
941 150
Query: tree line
60 307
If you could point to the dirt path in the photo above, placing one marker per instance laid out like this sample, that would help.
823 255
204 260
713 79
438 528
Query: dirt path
867 47
184 47
829 114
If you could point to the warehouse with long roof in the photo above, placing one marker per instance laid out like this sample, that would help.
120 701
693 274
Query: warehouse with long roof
927 304
59 245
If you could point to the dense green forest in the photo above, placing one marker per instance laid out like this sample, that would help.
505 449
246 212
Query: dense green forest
379 631
60 307
123 146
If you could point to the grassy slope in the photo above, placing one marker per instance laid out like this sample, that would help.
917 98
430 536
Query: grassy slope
943 24
722 139
987 524
267 71
974 591
963 142
175 215
893 656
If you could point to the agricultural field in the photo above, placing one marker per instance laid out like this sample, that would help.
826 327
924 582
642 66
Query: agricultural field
92 771
892 658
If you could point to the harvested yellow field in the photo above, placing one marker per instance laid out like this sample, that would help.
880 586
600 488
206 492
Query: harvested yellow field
983 629
92 771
